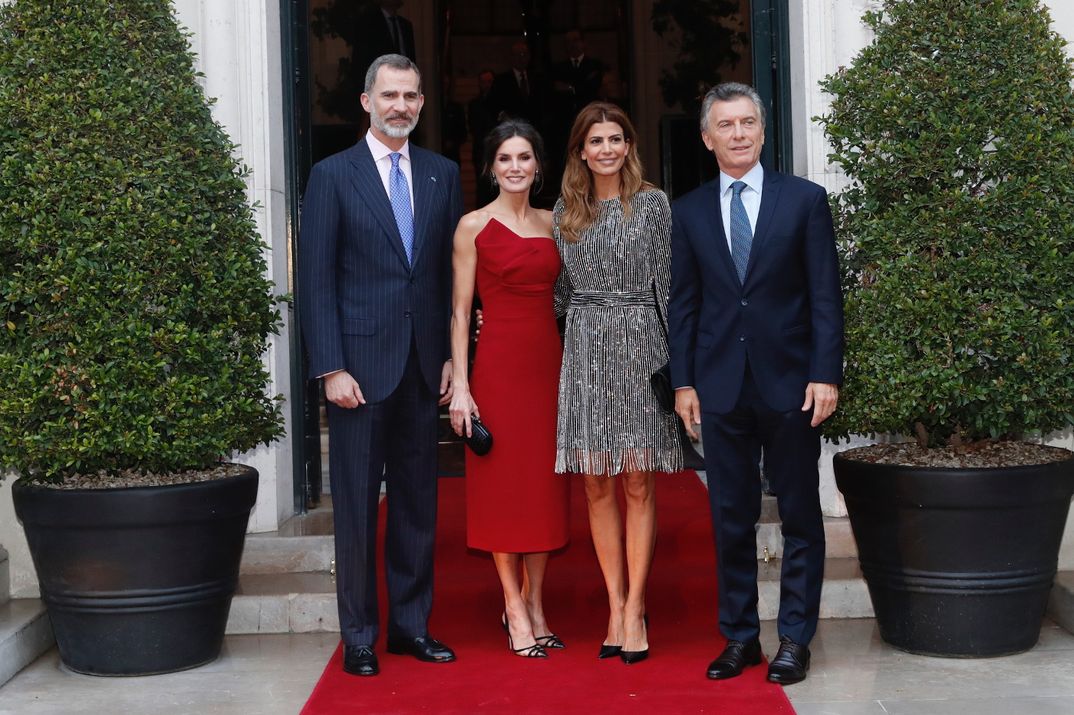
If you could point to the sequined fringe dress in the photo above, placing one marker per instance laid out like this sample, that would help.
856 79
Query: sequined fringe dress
614 290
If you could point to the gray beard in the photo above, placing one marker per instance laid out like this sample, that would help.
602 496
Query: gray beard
394 132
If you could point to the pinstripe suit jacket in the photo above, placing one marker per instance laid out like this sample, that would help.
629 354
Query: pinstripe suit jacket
361 300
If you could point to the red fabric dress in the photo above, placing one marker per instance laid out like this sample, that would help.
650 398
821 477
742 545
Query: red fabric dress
515 502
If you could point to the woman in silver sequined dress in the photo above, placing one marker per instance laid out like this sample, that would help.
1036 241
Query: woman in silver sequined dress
613 231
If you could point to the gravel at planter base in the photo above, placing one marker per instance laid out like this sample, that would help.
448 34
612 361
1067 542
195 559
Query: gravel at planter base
979 455
133 478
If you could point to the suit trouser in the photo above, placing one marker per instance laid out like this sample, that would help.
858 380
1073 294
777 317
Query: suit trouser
733 443
396 439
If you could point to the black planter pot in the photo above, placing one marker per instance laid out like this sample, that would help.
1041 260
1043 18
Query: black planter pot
959 562
139 580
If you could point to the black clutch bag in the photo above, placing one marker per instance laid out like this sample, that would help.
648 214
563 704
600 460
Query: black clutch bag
480 439
661 384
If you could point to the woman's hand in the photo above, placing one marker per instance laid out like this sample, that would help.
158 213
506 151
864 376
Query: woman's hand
462 407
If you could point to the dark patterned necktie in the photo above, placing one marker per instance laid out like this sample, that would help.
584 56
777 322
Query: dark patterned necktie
741 233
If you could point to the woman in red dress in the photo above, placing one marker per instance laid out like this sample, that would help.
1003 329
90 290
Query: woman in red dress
516 505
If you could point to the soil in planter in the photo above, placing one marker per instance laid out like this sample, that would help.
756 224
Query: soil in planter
982 455
134 478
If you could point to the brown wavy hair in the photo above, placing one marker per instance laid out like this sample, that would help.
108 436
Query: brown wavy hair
579 200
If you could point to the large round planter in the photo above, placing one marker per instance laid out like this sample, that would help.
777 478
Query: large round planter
959 562
138 580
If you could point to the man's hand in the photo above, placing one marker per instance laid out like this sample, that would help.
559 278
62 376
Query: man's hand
340 389
446 387
688 408
822 398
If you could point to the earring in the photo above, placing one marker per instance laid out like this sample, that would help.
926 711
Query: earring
492 181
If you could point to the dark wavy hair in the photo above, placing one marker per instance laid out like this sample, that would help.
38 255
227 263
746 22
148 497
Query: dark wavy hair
508 129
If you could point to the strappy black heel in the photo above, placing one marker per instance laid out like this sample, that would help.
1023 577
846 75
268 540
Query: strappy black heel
531 651
550 641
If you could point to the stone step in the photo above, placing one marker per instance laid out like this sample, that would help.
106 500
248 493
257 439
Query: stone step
306 602
1061 603
25 633
284 603
290 551
838 537
272 553
843 595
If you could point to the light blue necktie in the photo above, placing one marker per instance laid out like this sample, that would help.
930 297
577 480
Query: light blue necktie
741 233
399 195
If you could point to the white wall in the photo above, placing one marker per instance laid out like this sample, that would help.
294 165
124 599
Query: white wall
238 48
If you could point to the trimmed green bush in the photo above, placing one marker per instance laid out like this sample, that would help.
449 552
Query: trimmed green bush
134 305
956 129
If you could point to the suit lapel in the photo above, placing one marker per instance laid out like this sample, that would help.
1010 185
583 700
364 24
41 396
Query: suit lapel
424 186
769 200
721 237
370 188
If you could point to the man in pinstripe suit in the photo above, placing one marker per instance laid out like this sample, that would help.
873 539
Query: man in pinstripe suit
375 277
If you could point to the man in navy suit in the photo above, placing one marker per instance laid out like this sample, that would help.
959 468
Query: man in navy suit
375 278
756 331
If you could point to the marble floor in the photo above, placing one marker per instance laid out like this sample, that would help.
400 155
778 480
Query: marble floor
853 673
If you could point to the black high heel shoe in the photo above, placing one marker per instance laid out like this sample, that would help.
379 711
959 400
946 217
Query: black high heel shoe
531 651
630 657
609 651
550 641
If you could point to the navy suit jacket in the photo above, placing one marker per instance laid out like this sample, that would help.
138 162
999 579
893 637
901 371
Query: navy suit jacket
786 320
362 303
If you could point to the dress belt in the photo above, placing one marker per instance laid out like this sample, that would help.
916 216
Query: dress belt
609 299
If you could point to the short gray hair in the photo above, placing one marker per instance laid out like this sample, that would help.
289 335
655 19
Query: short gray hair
396 62
726 92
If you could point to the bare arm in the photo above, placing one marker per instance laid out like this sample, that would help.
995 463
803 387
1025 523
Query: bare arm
464 264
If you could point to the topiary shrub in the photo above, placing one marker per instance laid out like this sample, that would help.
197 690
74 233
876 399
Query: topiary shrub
134 306
956 129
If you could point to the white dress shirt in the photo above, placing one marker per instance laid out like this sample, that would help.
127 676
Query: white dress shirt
751 198
383 160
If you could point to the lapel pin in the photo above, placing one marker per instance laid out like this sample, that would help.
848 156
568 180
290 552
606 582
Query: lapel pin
432 178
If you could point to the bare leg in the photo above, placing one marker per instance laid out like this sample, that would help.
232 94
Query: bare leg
640 540
518 617
606 526
533 570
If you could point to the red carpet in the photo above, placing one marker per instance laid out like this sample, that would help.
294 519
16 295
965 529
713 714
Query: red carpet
486 678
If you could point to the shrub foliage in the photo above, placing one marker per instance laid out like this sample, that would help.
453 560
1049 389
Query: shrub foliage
134 306
956 129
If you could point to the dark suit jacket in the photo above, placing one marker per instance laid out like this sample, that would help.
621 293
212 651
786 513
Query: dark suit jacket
506 97
586 79
362 304
373 38
786 320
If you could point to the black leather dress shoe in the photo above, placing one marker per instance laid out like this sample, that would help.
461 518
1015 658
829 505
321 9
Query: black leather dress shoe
360 660
733 660
790 664
425 648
